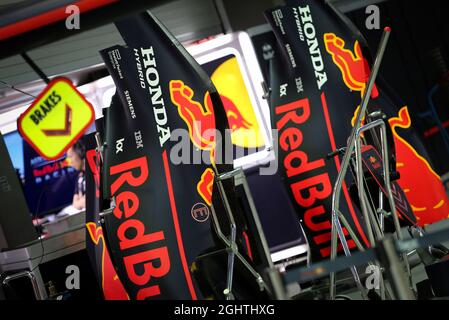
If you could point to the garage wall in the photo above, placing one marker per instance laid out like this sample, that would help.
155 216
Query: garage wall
186 19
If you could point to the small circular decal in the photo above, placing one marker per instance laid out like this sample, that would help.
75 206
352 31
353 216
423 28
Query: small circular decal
200 212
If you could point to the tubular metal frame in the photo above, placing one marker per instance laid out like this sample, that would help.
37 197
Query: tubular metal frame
354 144
230 242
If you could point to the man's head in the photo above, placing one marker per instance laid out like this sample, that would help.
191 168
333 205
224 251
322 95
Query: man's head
77 153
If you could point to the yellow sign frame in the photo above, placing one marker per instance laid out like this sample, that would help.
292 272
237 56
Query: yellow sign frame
52 142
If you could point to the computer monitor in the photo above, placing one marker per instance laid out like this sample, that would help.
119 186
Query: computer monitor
48 186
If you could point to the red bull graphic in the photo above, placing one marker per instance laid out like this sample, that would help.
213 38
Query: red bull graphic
312 108
110 283
313 192
354 118
374 162
158 228
148 280
205 186
420 182
235 117
227 78
355 72
201 125
200 121
51 168
353 65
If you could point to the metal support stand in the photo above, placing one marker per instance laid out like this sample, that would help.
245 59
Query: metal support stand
388 254
230 242
336 226
370 218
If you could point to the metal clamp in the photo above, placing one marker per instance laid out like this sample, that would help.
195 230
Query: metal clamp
100 146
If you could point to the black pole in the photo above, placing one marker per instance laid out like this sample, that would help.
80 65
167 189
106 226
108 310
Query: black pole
35 67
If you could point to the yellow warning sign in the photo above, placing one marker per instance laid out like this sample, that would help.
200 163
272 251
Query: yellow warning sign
56 119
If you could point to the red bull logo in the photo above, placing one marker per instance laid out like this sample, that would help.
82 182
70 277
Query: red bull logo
245 130
205 186
228 80
201 125
235 118
353 66
51 168
420 182
310 194
200 120
125 178
376 164
110 283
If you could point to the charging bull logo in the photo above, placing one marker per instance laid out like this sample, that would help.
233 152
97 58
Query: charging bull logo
200 121
421 184
235 117
201 125
353 66
376 164
428 207
112 287
205 186
228 79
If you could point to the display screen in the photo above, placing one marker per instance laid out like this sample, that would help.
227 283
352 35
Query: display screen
48 185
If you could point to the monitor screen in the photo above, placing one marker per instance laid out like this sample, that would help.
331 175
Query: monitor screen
48 185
